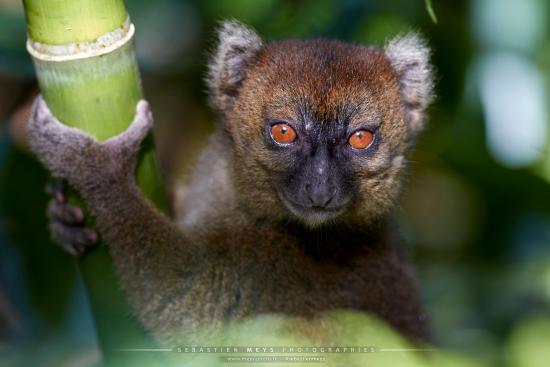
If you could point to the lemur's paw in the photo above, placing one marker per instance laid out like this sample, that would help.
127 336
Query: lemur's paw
67 223
60 148
126 145
71 154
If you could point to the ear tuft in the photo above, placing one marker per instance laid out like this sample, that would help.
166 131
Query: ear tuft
238 46
409 56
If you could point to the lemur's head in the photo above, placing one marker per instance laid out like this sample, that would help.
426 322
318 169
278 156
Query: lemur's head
320 127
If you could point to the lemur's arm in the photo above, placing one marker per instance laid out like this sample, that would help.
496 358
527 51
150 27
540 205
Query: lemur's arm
157 265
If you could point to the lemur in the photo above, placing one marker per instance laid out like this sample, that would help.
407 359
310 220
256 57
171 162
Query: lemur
288 208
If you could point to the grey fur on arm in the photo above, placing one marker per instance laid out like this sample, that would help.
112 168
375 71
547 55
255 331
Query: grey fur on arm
153 258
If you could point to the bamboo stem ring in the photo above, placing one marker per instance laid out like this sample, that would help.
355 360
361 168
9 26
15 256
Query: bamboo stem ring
104 44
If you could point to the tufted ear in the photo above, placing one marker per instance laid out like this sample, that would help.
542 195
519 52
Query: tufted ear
410 58
236 51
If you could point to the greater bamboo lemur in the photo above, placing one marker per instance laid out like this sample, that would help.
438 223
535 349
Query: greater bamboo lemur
287 208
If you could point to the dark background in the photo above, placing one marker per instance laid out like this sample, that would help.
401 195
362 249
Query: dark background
475 212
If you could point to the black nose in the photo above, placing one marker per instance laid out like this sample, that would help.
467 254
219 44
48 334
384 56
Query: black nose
320 195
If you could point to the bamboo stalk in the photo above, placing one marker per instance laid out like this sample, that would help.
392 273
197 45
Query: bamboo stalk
87 71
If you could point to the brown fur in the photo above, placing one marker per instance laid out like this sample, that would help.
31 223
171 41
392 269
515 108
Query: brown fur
334 80
234 250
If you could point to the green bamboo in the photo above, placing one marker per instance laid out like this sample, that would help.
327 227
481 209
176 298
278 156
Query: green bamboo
58 22
97 93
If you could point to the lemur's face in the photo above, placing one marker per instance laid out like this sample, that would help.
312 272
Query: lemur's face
322 122
319 128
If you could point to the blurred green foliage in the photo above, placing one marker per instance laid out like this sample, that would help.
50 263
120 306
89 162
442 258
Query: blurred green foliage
477 222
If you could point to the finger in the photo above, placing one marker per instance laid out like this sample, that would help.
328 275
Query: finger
37 104
73 239
43 130
55 144
62 212
138 130
143 121
41 110
143 108
56 190
41 114
44 124
74 235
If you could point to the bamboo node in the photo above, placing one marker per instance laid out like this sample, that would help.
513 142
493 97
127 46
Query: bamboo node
104 44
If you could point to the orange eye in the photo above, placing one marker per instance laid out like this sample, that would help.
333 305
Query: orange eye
360 139
282 133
